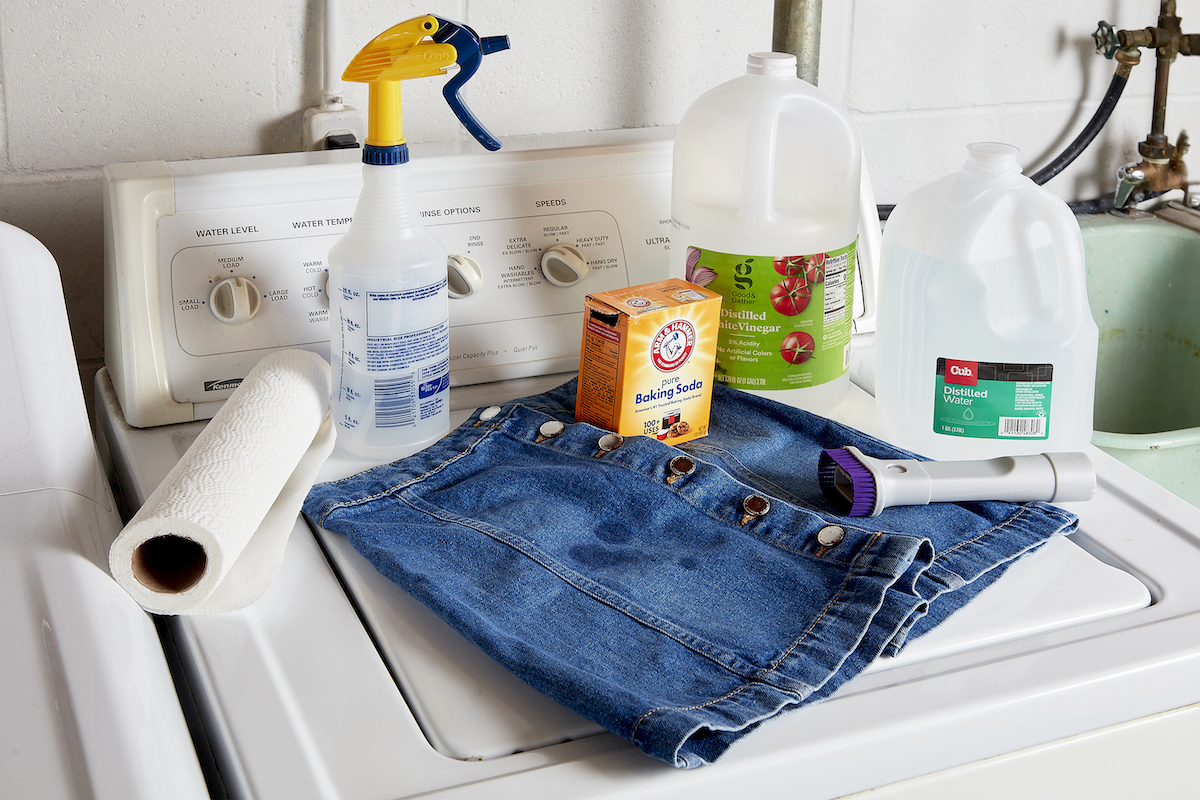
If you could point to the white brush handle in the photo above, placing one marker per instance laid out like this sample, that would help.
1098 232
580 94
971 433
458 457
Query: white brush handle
1055 477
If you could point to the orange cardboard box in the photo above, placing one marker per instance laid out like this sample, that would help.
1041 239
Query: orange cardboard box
646 364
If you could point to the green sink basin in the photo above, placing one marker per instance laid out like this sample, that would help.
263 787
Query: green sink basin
1143 279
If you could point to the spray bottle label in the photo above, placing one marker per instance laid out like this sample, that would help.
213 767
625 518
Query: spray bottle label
785 320
986 400
394 342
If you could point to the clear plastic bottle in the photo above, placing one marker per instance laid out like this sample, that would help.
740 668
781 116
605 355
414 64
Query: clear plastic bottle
765 206
389 311
390 324
985 344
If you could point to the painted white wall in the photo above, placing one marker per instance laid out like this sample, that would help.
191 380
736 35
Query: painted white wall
87 84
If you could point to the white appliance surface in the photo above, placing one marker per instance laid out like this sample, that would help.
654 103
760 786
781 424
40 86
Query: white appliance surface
86 699
350 688
337 684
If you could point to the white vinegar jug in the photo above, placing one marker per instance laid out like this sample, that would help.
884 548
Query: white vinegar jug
765 205
984 344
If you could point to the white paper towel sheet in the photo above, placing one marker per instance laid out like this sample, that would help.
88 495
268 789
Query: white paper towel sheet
211 537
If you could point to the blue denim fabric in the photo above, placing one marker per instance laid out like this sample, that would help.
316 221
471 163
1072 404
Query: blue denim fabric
661 610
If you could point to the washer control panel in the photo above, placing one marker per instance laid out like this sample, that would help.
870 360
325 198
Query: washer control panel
239 266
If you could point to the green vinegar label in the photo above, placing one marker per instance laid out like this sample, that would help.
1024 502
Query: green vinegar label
986 400
785 320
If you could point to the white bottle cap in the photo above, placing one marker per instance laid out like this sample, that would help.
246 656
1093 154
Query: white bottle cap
771 64
992 159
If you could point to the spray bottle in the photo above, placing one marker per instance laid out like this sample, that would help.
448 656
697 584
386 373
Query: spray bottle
389 310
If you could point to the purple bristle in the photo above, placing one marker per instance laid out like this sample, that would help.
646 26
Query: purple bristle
847 484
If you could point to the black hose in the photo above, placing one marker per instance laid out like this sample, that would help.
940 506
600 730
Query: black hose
1086 135
1100 205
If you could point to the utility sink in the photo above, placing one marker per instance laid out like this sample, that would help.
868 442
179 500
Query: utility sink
1143 278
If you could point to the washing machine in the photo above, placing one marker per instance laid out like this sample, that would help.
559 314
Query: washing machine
1075 675
87 703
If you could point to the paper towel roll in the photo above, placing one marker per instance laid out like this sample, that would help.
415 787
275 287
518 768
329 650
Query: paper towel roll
211 537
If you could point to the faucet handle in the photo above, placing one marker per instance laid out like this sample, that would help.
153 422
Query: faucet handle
1105 37
1129 177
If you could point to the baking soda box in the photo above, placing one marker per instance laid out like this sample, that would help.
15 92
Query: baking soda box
646 365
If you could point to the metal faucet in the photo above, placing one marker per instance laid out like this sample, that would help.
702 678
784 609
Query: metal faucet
1153 174
1162 166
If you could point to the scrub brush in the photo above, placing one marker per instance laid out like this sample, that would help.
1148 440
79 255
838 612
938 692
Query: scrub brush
860 486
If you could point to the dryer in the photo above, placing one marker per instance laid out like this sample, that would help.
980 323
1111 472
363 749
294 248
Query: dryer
86 696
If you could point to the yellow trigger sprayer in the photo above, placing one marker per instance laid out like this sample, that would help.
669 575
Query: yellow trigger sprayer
388 306
419 48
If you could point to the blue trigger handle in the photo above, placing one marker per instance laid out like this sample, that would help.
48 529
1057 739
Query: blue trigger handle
471 49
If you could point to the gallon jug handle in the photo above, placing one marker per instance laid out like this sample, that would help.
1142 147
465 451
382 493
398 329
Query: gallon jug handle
869 238
1056 282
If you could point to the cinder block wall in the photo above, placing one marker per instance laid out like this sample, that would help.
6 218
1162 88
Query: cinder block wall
87 84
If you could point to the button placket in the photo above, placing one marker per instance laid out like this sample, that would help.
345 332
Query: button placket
548 430
830 535
753 506
678 467
609 442
487 415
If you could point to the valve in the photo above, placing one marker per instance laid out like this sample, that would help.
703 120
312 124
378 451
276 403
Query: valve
1129 177
1107 42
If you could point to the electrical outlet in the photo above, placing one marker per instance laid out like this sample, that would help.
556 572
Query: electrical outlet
320 122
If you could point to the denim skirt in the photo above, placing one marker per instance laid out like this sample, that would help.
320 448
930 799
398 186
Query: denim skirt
677 596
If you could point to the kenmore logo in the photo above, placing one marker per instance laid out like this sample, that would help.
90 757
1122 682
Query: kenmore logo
217 386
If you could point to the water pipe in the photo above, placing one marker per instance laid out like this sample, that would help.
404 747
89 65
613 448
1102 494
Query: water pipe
1162 167
1125 50
331 86
797 30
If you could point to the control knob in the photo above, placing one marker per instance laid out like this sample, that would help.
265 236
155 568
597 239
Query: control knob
235 300
564 265
463 276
